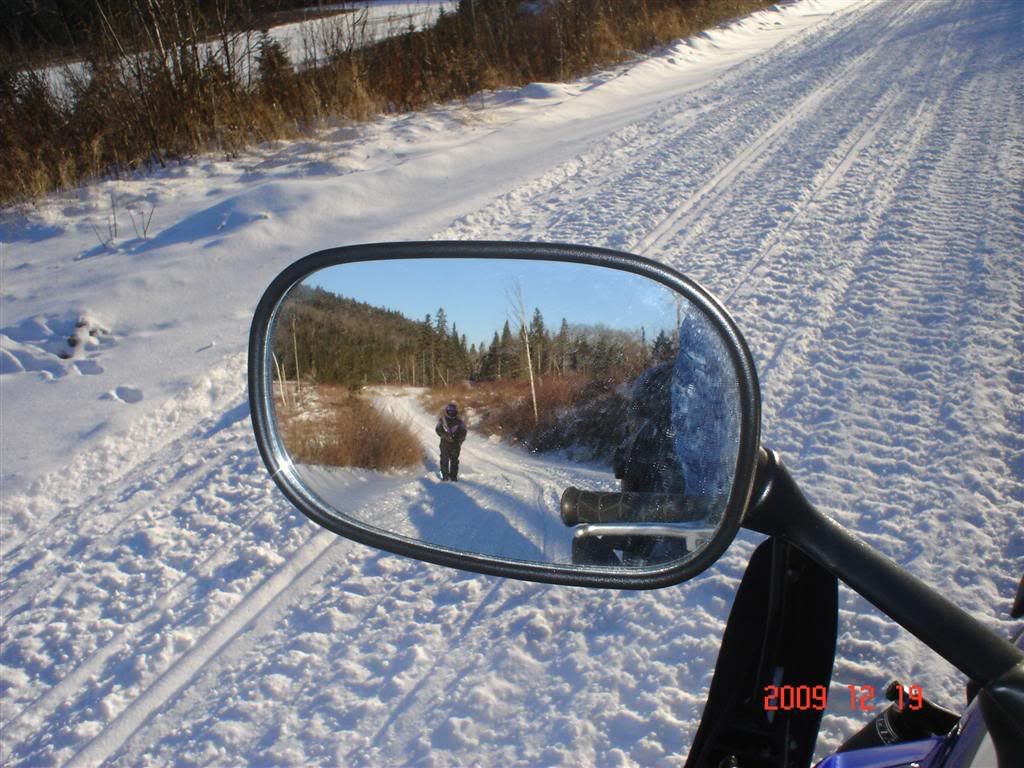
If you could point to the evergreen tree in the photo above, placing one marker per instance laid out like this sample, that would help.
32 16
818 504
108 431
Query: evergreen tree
562 345
507 353
538 341
663 349
490 364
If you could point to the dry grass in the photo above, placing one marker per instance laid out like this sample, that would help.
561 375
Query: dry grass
332 427
138 107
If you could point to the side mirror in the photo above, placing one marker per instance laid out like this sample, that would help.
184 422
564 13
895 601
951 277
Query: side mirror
609 408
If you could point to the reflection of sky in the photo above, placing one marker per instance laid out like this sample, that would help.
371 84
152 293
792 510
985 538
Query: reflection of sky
479 295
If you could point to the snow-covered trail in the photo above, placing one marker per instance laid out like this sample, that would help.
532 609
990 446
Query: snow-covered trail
852 191
862 220
506 502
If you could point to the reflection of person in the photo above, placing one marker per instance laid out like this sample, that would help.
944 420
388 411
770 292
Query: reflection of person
452 431
646 460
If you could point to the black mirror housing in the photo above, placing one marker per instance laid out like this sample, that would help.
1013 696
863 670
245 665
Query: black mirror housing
712 324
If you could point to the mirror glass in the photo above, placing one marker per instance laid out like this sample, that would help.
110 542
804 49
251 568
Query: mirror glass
540 411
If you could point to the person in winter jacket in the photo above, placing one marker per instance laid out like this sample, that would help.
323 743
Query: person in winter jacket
452 431
645 462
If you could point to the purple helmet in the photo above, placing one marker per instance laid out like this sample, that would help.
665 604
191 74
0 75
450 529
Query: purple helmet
451 409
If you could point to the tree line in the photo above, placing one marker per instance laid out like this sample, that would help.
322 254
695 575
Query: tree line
164 79
326 338
28 26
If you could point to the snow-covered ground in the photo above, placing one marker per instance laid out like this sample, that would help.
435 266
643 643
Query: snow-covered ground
846 176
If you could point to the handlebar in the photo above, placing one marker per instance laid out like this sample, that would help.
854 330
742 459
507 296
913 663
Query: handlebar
580 507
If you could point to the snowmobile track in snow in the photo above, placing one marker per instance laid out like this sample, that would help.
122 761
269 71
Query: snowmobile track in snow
855 195
233 635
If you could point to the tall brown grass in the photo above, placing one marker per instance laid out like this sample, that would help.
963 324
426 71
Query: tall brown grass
341 429
153 92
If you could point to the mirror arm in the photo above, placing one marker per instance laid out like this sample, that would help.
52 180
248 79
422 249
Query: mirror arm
778 508
691 533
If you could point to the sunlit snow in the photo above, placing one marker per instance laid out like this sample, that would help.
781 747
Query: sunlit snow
845 176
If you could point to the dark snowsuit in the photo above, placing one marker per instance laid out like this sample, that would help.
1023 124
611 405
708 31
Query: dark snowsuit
452 432
645 461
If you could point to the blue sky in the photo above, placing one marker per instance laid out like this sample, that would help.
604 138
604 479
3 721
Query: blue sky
478 294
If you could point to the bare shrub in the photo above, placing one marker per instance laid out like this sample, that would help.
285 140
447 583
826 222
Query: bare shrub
574 413
344 430
32 153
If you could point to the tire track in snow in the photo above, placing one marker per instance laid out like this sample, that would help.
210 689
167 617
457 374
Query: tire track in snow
695 206
884 390
126 518
152 451
302 568
646 166
263 648
79 661
846 154
847 67
933 264
147 623
163 611
441 676
743 228
817 260
816 306
166 612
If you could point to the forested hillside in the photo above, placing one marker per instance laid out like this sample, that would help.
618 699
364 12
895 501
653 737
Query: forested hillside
331 339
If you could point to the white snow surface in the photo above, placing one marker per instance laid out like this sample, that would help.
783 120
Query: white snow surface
846 176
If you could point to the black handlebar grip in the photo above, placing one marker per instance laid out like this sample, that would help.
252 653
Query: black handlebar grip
580 507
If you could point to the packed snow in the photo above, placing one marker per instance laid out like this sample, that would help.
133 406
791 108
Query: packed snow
846 176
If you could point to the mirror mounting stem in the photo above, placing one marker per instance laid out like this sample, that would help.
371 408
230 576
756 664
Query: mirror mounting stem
780 509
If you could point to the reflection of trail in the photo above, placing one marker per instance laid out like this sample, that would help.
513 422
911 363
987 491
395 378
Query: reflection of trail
506 502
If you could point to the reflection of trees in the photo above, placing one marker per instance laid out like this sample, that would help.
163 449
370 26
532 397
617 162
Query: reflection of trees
335 340
342 341
588 350
570 388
